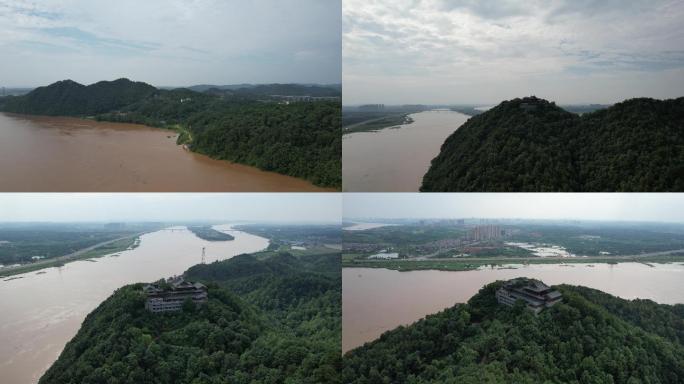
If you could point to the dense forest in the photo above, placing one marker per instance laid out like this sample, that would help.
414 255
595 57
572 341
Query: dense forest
300 139
531 144
276 320
591 337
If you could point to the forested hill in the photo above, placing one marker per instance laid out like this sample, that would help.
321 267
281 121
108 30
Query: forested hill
273 320
69 98
531 144
300 139
591 337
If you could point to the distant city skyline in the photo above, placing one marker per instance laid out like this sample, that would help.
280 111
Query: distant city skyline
484 52
655 207
170 207
170 43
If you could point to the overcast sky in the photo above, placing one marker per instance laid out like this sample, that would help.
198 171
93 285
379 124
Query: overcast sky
170 42
665 207
72 207
471 51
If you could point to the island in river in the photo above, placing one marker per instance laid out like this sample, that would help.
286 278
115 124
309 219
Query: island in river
297 136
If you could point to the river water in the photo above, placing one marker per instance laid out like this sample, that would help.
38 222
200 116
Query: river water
396 159
39 313
64 154
377 300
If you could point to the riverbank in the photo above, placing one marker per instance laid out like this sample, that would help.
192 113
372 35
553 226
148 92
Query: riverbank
469 264
379 123
395 160
67 154
102 249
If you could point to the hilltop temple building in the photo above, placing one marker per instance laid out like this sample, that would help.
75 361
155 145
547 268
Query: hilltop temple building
170 295
534 293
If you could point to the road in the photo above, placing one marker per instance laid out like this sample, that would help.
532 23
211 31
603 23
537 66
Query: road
65 258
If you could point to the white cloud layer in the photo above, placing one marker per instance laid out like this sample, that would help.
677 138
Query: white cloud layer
170 42
469 51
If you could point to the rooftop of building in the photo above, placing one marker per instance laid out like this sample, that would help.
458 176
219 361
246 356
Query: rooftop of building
173 284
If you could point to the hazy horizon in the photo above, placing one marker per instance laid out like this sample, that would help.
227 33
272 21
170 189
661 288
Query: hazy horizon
169 207
472 104
172 43
651 207
554 220
166 85
470 52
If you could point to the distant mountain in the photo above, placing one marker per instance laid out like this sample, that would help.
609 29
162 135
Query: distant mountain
314 90
584 108
14 91
273 320
206 87
71 98
591 337
531 144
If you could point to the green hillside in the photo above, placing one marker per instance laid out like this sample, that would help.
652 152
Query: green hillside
531 144
591 337
69 98
267 321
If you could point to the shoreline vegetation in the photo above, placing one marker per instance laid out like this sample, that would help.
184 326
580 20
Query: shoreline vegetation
289 129
103 249
469 264
469 244
377 124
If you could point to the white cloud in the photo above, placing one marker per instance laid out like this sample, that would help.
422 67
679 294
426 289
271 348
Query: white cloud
474 51
174 42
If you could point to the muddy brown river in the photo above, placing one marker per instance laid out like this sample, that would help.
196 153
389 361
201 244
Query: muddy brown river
64 154
41 311
396 159
378 300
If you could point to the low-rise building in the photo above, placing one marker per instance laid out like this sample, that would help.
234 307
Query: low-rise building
534 293
170 295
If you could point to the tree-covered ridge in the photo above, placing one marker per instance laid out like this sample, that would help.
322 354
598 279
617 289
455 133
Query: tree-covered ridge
530 144
300 139
313 90
267 321
69 98
591 337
